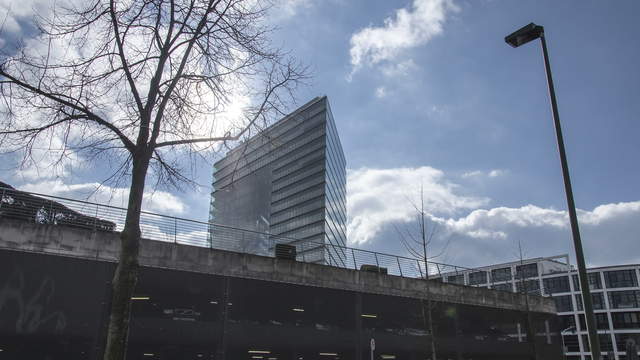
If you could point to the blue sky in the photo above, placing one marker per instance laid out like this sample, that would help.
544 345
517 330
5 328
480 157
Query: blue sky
426 93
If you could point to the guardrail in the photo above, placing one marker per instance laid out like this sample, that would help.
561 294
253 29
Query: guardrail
54 210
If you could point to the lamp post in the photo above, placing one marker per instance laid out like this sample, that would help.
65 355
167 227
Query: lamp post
520 37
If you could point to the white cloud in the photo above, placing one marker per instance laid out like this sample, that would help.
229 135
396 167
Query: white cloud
381 92
498 218
609 233
285 9
474 236
497 172
377 197
479 173
153 201
14 13
407 29
470 174
402 68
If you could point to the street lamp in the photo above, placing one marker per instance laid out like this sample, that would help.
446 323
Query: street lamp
520 37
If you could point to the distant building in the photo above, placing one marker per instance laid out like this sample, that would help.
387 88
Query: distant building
614 289
288 181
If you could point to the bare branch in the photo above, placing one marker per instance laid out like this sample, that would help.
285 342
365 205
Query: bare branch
123 57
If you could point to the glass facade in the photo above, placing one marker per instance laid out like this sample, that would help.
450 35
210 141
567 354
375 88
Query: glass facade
55 307
288 181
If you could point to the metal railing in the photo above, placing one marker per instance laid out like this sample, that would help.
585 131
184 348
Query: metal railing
53 210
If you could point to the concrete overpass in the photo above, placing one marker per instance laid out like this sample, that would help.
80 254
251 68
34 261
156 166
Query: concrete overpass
195 302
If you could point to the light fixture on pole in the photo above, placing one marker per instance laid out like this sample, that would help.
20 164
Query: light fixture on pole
520 37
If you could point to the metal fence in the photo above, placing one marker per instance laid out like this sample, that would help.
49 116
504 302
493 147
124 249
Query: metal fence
53 210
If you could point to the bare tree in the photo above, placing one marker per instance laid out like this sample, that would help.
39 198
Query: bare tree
146 83
524 290
417 241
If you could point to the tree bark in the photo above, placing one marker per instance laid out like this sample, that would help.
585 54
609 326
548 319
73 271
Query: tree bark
126 274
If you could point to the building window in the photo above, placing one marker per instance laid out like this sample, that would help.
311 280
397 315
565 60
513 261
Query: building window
624 299
528 287
456 279
594 281
626 320
596 298
526 271
567 322
556 285
571 343
502 274
563 303
621 340
503 287
620 278
478 277
602 322
605 342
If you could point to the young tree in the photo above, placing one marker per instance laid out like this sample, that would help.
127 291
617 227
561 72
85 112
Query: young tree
147 83
417 241
524 290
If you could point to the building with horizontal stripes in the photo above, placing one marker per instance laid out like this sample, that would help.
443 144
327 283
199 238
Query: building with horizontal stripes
614 289
287 183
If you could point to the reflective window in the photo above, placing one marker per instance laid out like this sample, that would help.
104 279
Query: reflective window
602 322
597 300
605 342
567 321
626 320
528 287
593 278
563 303
526 271
478 277
501 274
620 278
624 341
624 299
571 343
554 285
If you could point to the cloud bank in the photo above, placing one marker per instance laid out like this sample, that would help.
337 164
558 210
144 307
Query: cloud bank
408 28
153 201
378 197
476 235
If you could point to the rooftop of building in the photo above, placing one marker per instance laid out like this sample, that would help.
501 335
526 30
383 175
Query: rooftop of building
272 127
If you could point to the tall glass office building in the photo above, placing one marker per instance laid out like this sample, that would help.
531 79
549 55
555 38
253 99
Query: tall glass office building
288 184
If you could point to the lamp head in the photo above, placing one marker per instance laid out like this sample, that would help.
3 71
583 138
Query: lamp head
524 35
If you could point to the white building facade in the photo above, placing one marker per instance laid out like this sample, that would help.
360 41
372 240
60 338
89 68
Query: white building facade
615 291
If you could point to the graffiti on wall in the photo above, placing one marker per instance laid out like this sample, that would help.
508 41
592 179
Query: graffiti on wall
30 309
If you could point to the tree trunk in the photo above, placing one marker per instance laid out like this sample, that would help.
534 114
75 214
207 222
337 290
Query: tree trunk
431 330
126 274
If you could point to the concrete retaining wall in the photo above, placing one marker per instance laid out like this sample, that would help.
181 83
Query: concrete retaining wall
104 246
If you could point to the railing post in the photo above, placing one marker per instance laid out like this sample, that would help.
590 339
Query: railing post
355 264
51 217
377 263
2 198
419 268
399 267
175 230
95 219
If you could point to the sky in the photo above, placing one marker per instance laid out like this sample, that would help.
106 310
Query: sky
427 95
